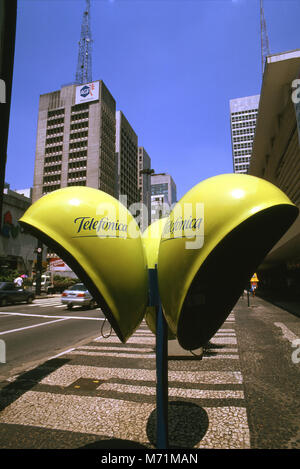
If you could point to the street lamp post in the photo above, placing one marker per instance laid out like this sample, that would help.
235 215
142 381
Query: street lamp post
39 258
148 172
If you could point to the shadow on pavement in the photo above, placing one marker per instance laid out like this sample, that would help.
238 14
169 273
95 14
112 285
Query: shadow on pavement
28 380
114 443
187 422
291 305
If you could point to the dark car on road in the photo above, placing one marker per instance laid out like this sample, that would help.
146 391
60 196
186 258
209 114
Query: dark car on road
9 293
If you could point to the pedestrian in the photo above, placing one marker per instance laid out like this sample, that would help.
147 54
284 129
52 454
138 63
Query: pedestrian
18 282
253 288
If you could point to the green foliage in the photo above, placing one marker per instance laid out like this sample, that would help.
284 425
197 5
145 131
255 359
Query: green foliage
62 283
8 275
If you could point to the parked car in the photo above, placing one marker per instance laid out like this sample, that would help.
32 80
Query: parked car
78 295
9 293
46 282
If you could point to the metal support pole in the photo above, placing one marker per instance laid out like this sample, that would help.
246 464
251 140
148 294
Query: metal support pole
162 379
161 364
39 268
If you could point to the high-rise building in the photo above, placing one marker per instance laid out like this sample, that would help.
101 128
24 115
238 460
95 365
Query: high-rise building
144 185
76 135
127 157
276 158
243 115
163 195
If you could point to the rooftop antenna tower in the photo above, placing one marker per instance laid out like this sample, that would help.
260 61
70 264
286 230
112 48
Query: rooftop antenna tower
84 64
265 49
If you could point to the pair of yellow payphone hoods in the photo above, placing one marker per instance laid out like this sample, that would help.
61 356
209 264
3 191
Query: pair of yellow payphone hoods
203 251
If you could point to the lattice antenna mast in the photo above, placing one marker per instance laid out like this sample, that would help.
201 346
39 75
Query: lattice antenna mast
84 64
265 49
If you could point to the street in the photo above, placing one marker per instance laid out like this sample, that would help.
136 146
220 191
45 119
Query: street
34 333
100 393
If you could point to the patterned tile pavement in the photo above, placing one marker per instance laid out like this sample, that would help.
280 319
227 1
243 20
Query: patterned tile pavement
105 391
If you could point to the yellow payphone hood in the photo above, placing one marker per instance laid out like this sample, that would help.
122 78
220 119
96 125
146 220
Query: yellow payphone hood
207 251
151 240
100 240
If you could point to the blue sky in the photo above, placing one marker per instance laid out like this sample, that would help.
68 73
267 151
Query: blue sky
171 65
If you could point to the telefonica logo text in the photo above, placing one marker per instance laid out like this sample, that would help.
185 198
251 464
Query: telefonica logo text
181 224
89 224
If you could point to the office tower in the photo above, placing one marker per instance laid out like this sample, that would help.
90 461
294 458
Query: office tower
76 139
127 157
163 195
243 114
276 158
144 185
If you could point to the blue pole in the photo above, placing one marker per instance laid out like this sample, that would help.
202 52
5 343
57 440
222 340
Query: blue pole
162 379
161 364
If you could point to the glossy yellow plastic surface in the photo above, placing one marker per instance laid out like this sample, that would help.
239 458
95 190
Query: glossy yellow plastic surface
100 240
215 238
151 240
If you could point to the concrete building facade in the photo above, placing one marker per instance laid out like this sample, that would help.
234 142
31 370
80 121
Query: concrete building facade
17 248
276 154
127 160
163 195
144 185
243 115
76 135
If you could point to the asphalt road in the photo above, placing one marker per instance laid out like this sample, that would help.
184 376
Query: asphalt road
31 334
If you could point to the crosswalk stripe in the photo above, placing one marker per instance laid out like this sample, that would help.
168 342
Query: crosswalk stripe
173 392
67 374
108 419
130 391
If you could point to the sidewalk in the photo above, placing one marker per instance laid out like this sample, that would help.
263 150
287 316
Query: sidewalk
292 306
103 394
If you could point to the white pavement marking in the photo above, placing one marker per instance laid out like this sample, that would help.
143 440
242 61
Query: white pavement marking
51 316
124 419
227 428
287 334
173 392
45 305
224 340
67 374
131 340
115 349
221 357
30 327
65 352
103 353
115 354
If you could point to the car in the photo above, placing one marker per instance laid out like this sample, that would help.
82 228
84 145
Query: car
46 283
78 295
9 293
